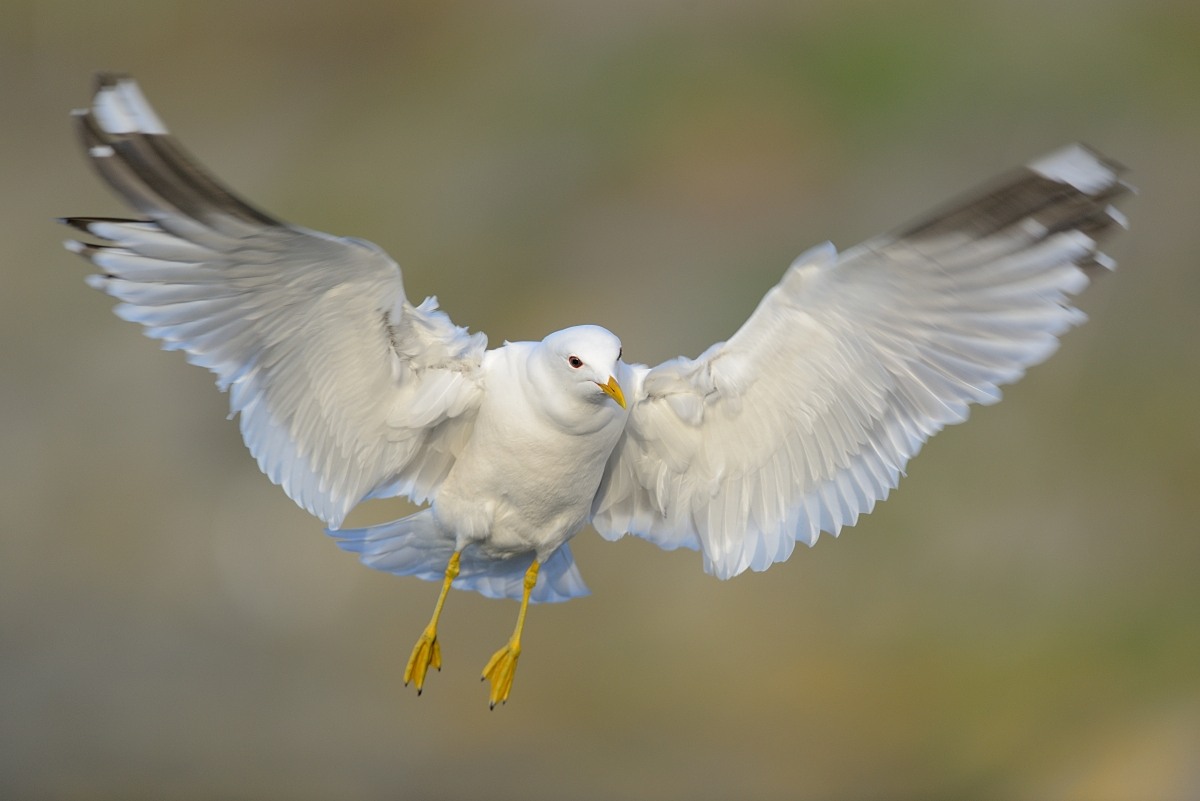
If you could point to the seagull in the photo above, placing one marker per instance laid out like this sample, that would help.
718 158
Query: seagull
797 424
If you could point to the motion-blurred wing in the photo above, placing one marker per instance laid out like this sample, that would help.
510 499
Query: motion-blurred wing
809 413
344 388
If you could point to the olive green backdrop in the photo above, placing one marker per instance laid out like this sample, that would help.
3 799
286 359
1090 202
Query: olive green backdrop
1019 621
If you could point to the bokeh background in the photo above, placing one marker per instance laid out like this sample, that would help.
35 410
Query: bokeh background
1019 621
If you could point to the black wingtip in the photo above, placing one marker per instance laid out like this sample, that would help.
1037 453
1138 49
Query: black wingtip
1069 188
78 223
85 223
136 155
107 79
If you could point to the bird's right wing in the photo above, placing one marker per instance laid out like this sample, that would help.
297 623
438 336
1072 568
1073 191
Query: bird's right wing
808 415
343 387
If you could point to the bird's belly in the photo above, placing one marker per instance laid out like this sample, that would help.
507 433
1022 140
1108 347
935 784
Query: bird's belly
520 499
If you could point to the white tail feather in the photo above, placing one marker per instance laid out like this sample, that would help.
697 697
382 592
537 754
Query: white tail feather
417 546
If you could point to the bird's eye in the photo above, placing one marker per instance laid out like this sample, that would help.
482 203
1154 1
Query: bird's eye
620 353
575 362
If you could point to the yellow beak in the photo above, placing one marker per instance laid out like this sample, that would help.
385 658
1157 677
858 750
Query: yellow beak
613 390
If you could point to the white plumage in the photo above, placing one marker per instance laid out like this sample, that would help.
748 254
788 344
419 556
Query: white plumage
796 425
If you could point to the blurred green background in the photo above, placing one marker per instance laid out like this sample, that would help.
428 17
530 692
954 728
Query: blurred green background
1019 621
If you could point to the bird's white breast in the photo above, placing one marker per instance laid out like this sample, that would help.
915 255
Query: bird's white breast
523 481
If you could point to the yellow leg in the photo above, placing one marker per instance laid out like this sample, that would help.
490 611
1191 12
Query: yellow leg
503 664
427 651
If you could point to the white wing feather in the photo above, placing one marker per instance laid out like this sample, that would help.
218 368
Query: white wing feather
343 388
808 415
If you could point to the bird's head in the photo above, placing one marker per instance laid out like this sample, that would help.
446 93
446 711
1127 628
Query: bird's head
587 358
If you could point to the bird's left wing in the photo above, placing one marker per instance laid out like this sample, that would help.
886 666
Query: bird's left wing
343 387
808 415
